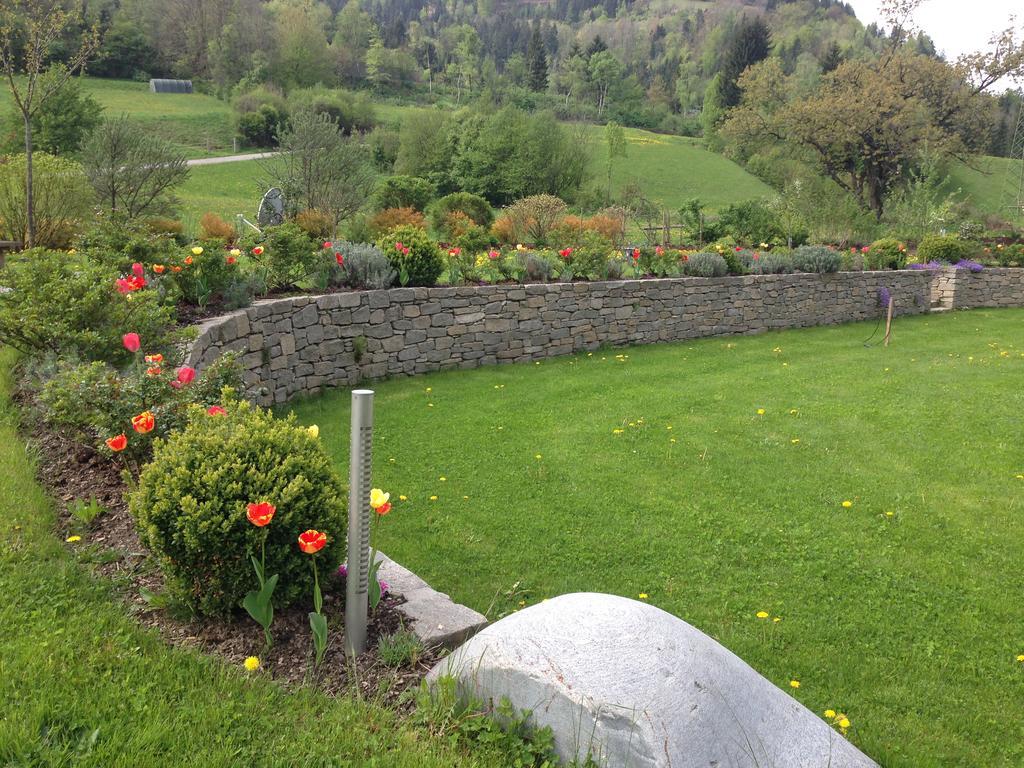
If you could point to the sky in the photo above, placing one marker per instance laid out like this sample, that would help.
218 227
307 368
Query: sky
956 26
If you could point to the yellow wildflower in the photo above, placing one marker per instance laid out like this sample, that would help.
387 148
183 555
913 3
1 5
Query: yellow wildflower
443 479
642 595
844 723
762 614
830 714
1020 657
403 497
847 504
760 411
251 663
73 539
197 251
314 430
617 431
538 456
794 683
795 440
433 498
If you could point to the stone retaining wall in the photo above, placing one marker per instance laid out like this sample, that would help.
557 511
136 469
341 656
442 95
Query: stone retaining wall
301 345
992 287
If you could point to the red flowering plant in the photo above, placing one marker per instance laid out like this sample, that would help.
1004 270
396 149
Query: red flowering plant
120 411
311 542
259 602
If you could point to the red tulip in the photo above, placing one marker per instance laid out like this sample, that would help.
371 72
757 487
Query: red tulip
144 422
260 514
154 370
185 376
188 259
636 254
231 260
118 443
216 410
258 250
328 245
493 255
339 258
131 342
383 509
312 541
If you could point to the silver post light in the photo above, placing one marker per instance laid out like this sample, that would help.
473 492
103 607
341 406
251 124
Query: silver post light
359 480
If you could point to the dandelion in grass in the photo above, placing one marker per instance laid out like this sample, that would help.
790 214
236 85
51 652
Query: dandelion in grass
795 441
643 596
403 497
777 619
760 411
538 457
618 431
433 498
847 504
1020 657
73 539
251 663
762 614
830 714
443 479
794 683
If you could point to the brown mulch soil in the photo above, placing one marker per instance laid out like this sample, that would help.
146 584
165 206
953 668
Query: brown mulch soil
71 472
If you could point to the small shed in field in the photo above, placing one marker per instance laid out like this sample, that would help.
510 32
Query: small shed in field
160 85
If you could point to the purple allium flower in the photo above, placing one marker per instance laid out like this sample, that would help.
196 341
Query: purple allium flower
343 570
883 297
968 264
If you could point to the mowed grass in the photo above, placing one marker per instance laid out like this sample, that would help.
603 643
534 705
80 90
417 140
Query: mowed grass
199 124
84 685
902 610
226 189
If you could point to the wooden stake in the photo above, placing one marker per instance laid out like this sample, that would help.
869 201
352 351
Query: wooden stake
888 320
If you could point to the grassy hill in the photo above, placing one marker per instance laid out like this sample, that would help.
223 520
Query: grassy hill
985 184
201 125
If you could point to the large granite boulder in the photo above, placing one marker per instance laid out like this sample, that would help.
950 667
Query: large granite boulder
633 685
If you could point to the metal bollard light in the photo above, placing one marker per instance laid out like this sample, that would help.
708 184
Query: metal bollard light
359 480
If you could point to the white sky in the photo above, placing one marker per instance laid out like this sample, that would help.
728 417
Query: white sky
956 26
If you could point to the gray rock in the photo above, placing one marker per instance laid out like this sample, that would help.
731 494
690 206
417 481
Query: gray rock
635 686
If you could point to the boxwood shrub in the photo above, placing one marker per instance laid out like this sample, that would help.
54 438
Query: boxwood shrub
413 255
190 505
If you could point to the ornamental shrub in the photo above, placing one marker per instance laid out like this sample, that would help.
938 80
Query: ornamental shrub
289 256
771 264
62 199
413 255
474 206
319 225
946 248
706 265
190 504
117 244
816 258
534 217
389 218
590 256
66 304
1011 255
95 401
403 192
213 227
366 267
887 253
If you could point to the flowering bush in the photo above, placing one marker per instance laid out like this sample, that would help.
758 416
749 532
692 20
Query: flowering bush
476 208
204 273
96 402
389 218
589 256
887 253
191 505
284 256
64 303
413 255
534 217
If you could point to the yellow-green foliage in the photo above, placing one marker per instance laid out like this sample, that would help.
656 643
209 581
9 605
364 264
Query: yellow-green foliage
190 505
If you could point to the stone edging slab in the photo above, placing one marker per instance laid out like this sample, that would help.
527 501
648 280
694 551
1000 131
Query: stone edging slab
434 618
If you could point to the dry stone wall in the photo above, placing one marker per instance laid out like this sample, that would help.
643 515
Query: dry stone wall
301 345
992 287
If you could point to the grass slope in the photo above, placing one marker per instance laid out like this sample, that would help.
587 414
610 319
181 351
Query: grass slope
226 189
909 623
987 184
83 685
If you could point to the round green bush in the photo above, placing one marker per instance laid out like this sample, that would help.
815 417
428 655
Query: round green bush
591 254
474 206
190 506
816 258
771 264
947 248
887 253
413 255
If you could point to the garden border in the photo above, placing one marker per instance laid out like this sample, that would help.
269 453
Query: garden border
304 344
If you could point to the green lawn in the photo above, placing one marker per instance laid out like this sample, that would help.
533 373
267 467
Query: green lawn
226 189
83 685
908 622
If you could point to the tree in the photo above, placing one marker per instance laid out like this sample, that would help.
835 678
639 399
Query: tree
320 169
750 43
832 57
615 138
376 63
131 171
537 61
28 31
60 124
604 70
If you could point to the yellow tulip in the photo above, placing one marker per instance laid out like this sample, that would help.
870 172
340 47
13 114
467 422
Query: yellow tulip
197 251
314 430
378 498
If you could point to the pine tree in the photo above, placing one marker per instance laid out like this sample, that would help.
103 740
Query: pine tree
751 43
537 61
832 58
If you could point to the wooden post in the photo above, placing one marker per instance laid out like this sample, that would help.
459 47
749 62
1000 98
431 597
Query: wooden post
888 320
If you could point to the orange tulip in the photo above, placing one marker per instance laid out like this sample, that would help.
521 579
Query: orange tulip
312 541
144 422
159 268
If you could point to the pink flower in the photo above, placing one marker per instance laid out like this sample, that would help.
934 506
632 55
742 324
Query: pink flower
138 271
757 256
865 249
328 245
216 410
131 342
185 376
493 255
